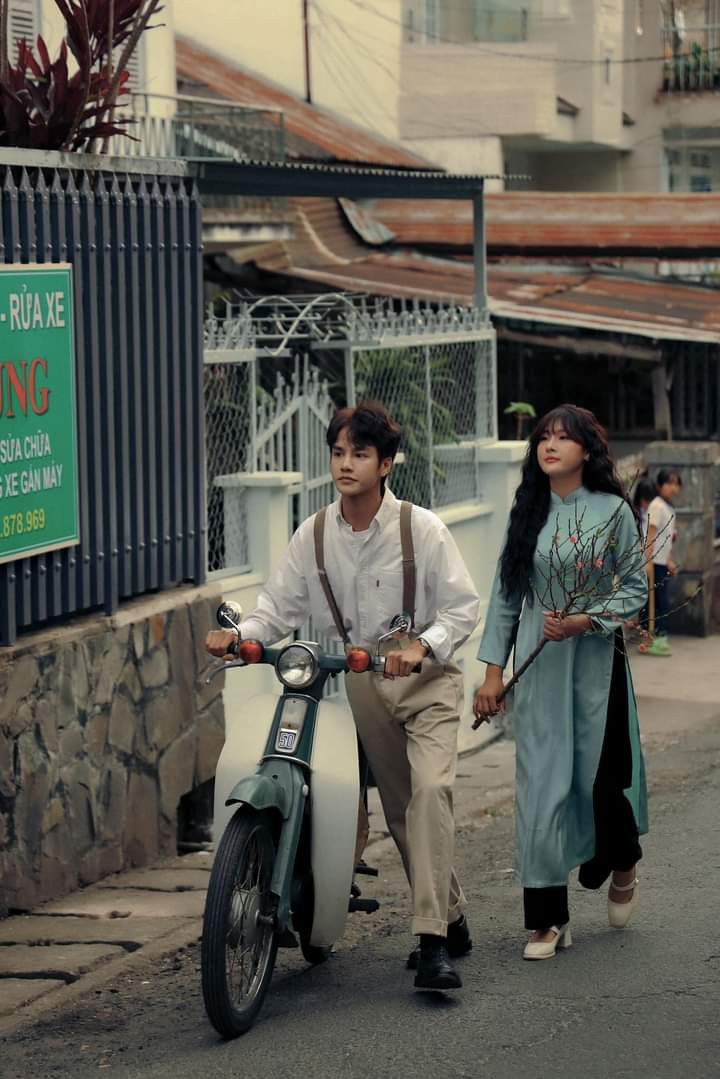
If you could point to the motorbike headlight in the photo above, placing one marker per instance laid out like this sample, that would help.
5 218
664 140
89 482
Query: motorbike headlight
297 666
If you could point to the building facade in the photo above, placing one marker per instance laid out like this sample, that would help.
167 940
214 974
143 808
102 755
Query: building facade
618 95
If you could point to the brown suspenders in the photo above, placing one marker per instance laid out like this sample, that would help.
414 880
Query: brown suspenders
319 527
408 567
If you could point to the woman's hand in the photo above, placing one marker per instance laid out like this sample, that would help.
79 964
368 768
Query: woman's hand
485 703
559 628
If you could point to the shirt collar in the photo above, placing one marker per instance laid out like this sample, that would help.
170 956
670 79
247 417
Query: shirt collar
578 493
389 508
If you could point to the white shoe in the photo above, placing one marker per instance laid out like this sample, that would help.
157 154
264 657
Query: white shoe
619 914
545 949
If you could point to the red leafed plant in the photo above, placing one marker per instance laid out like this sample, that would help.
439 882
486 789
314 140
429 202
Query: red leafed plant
42 105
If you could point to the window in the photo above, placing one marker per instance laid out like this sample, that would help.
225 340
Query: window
431 21
136 67
693 168
24 22
500 21
421 21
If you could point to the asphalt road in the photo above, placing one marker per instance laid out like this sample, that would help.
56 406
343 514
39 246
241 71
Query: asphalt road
643 1002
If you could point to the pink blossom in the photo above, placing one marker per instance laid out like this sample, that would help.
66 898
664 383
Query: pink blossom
580 565
573 539
599 562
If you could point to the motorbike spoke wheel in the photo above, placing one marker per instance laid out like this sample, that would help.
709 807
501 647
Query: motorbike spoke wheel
238 942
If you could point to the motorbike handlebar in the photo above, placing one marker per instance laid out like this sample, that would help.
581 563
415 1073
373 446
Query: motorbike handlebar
327 662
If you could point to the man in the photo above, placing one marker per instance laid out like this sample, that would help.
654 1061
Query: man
352 568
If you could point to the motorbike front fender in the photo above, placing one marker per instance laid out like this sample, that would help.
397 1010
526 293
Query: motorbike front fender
261 792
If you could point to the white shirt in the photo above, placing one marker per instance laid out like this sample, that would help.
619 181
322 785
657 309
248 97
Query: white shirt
365 572
662 515
644 524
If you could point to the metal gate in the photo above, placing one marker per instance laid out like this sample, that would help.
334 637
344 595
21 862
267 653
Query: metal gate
290 436
277 368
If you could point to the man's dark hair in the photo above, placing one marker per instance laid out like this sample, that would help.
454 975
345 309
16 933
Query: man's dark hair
645 491
367 424
667 475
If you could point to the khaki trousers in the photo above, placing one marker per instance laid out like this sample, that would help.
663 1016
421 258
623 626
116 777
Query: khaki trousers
409 730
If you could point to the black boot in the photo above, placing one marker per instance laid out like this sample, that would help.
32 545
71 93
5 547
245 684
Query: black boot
435 971
459 942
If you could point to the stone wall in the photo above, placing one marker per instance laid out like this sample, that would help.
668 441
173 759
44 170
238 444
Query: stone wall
104 725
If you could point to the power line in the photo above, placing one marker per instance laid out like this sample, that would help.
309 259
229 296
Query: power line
337 76
478 47
342 62
354 42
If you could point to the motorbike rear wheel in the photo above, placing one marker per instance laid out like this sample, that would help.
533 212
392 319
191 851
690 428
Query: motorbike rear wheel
239 943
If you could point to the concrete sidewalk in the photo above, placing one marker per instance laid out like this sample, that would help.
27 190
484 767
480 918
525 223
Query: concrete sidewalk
71 946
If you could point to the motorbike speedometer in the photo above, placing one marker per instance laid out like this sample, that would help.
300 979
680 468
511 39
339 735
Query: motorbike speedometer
297 666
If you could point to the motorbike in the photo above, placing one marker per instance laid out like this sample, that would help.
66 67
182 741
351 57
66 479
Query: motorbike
285 821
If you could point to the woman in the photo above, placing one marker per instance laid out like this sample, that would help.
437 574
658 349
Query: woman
572 570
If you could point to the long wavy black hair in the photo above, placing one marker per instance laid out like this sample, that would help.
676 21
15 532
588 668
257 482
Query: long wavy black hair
532 499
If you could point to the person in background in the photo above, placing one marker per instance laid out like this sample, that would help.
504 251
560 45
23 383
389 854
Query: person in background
645 491
661 538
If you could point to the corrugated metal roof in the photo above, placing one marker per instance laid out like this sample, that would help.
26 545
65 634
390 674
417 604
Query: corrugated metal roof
548 222
325 250
318 129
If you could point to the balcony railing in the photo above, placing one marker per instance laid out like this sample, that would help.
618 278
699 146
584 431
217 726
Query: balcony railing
197 127
692 59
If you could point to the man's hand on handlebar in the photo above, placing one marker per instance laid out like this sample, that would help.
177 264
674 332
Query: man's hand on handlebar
401 662
219 642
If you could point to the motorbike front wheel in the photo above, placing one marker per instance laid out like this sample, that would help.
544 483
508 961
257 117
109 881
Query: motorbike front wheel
312 953
238 940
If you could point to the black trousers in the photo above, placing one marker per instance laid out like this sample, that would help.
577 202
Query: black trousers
662 597
616 834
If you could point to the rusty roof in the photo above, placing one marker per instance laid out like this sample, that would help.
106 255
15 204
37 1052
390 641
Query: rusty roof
319 131
325 250
548 222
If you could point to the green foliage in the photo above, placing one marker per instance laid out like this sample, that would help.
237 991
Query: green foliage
521 408
397 377
45 107
522 411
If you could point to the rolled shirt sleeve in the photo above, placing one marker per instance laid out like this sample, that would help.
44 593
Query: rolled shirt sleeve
452 594
284 603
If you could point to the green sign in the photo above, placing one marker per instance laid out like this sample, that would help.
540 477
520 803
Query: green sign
38 443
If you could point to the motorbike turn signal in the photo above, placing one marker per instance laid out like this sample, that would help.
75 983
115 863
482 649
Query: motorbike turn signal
251 651
358 660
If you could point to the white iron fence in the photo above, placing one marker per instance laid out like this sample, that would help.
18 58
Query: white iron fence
276 370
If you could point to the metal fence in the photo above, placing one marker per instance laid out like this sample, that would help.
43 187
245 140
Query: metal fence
692 53
166 126
276 369
135 247
443 397
229 393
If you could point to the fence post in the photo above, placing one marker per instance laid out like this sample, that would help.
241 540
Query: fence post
349 375
266 503
303 435
479 249
430 438
253 462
